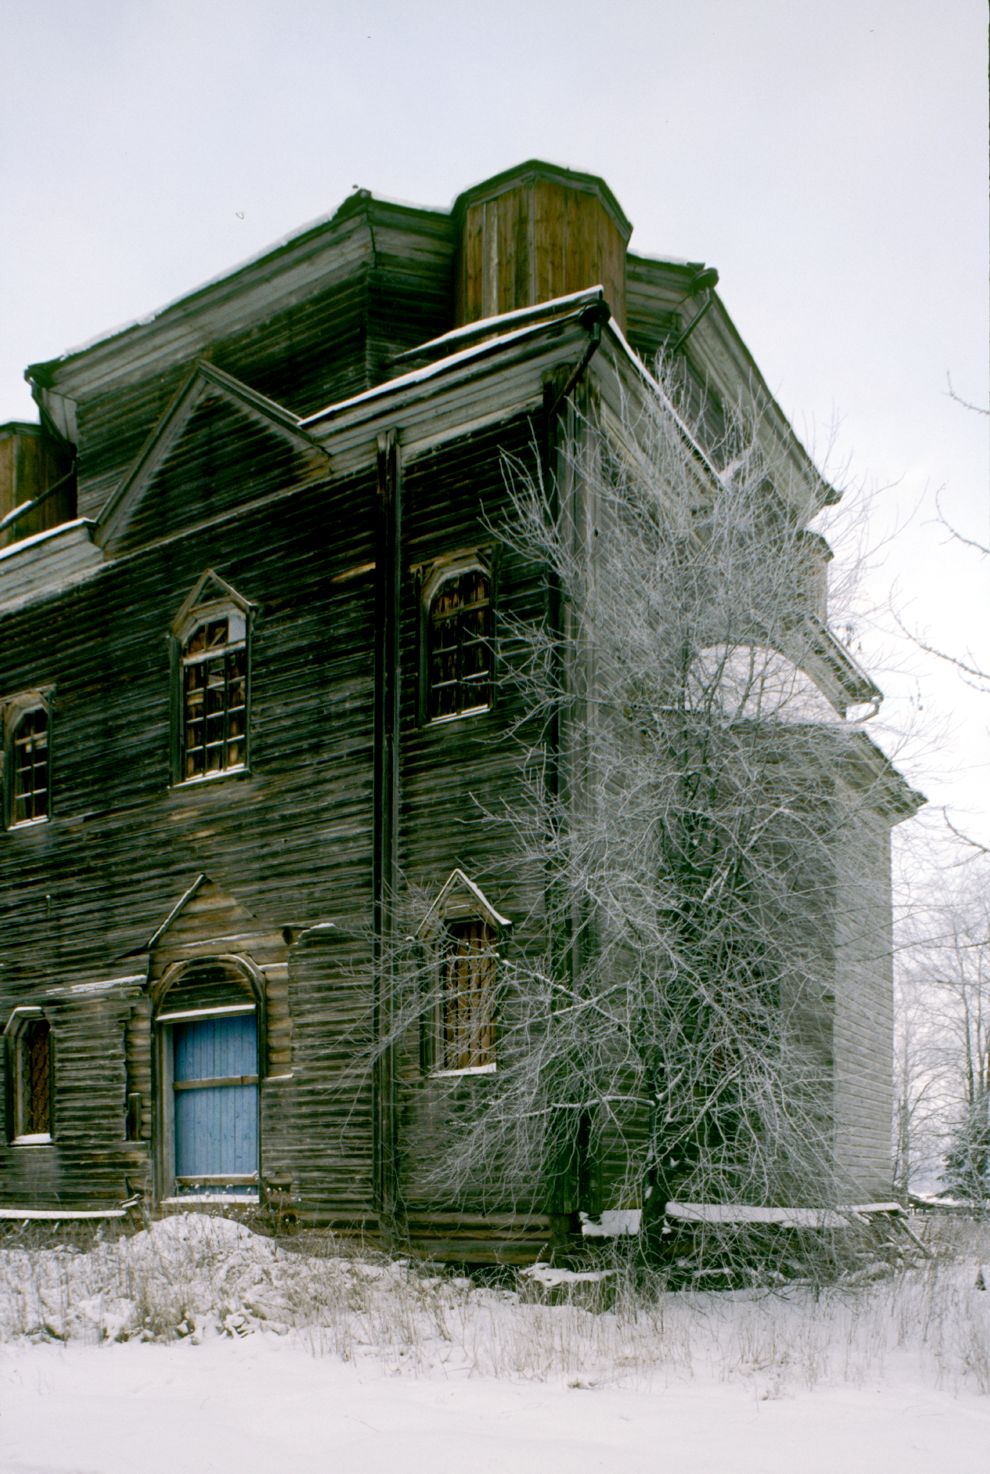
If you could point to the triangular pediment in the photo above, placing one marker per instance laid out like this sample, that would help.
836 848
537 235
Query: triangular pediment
204 916
219 445
209 592
460 897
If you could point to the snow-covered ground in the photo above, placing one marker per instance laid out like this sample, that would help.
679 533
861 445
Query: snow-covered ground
198 1345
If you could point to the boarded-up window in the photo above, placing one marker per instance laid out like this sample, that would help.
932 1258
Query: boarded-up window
30 766
214 697
31 1068
459 645
466 1023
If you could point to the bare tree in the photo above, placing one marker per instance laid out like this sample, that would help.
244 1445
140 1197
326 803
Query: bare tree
694 804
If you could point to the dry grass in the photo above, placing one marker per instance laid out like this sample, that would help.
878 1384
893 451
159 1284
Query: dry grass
191 1277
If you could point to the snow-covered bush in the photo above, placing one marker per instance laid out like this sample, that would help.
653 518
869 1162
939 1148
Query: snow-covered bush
193 1277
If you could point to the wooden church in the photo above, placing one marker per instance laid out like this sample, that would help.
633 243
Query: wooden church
249 689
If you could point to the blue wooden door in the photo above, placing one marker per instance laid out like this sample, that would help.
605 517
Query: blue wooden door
215 1084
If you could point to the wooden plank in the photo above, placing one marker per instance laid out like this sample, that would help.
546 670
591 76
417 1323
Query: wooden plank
388 686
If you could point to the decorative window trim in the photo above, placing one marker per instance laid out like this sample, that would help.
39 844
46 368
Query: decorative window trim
460 1016
433 577
212 602
15 710
25 1111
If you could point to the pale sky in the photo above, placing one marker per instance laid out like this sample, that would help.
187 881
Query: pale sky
830 160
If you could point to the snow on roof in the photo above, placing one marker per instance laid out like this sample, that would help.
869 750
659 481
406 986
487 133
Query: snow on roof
45 535
103 985
428 371
481 325
256 258
679 261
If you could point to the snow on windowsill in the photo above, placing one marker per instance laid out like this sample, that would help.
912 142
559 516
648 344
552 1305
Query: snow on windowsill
193 1201
468 1070
211 777
58 1215
456 716
36 1138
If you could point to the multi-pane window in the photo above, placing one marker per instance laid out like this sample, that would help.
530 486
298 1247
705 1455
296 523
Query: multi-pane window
459 645
466 1021
29 1063
214 666
29 766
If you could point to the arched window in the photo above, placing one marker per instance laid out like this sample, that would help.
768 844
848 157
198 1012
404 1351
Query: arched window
211 634
30 769
214 696
458 641
31 1076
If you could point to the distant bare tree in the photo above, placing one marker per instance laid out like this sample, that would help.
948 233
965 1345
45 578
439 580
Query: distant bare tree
942 1057
923 1075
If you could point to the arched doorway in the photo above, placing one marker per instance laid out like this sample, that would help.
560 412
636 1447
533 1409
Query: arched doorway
209 1028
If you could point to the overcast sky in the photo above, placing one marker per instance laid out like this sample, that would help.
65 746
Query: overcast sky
830 160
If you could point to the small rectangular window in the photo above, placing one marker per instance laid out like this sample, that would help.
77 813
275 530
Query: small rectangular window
466 1022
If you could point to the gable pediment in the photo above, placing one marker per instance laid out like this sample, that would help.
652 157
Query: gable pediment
457 898
219 445
204 915
209 593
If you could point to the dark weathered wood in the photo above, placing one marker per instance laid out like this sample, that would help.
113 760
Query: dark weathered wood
37 482
388 686
275 887
537 233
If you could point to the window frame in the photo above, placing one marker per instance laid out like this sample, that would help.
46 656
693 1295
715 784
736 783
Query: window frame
220 603
16 1038
13 711
474 996
460 903
434 577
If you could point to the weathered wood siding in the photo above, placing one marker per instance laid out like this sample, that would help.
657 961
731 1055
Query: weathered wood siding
327 1150
863 1031
36 476
290 840
534 241
285 845
456 775
221 463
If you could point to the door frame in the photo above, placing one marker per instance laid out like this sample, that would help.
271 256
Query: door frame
252 1002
